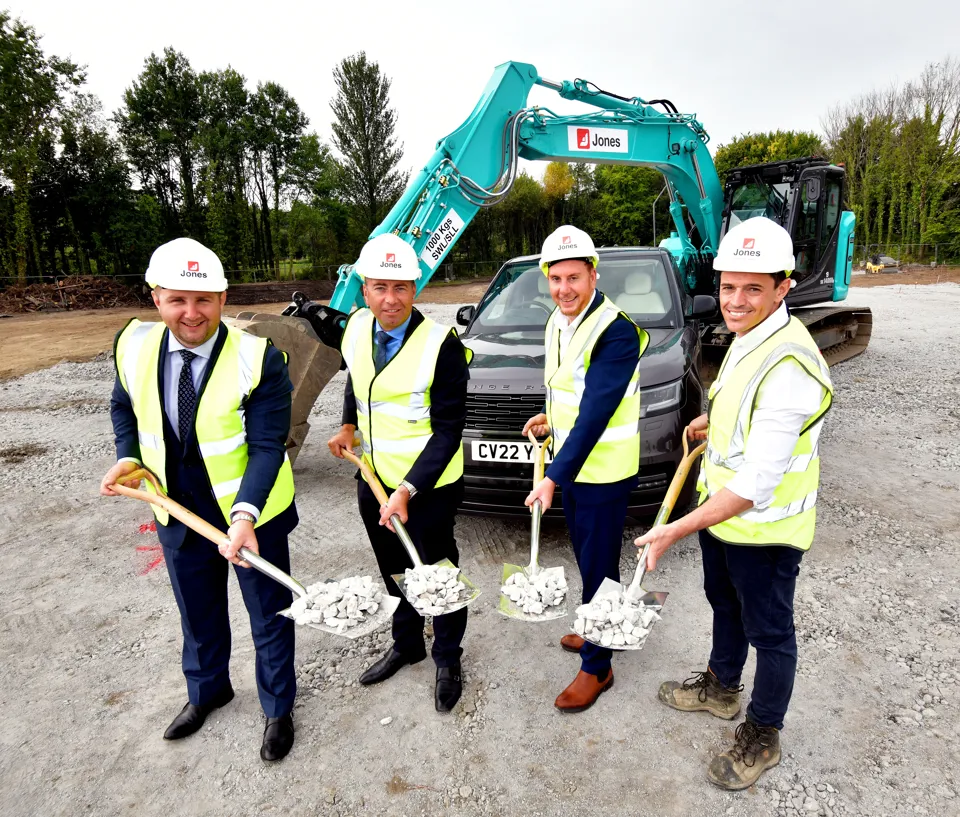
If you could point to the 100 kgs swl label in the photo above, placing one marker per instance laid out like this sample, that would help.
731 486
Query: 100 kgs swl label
441 238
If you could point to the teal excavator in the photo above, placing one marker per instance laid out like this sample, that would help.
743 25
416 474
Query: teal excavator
476 165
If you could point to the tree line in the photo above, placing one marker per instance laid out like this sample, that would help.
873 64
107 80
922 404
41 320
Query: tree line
235 165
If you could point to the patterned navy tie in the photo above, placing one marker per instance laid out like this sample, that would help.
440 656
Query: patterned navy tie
186 395
380 357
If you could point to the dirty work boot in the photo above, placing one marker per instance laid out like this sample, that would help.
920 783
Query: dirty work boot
757 748
584 691
702 693
571 642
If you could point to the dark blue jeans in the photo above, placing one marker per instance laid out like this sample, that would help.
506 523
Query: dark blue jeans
596 530
751 592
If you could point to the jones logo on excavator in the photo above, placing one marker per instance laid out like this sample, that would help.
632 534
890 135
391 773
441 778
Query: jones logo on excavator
612 140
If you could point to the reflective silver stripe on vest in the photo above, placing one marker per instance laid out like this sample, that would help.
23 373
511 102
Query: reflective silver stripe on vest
131 358
580 369
349 351
611 435
361 405
223 489
737 441
212 449
779 513
401 446
796 465
247 355
150 440
428 362
409 413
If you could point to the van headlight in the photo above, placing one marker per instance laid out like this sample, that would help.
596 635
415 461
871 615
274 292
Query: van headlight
660 399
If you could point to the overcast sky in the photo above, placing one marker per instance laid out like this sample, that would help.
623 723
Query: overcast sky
740 66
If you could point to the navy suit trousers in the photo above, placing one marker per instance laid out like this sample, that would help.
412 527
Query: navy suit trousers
596 529
751 592
198 574
432 517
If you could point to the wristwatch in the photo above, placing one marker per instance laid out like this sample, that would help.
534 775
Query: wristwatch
242 516
409 487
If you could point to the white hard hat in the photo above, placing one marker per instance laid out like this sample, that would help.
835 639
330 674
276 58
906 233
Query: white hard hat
186 264
756 245
388 257
567 242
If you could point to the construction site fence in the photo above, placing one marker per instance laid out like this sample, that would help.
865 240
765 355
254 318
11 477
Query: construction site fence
906 255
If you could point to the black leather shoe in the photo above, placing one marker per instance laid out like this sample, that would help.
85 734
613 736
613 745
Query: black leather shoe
449 688
277 738
191 717
387 666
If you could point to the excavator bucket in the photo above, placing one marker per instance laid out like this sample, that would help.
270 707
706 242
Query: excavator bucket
311 364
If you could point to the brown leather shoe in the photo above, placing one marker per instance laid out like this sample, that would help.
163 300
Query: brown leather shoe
571 642
583 692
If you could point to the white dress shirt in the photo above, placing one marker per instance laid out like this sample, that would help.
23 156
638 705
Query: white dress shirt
567 327
787 398
172 367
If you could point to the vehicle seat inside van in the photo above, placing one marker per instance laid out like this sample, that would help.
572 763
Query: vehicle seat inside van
638 296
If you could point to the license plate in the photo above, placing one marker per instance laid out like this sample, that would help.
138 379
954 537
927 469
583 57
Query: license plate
494 451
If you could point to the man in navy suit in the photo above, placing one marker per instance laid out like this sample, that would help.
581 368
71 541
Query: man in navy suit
592 377
206 407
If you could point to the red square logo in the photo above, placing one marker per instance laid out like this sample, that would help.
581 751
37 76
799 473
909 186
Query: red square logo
583 138
193 266
391 257
565 240
748 243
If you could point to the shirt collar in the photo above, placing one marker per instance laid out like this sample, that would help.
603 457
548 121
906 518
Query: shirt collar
398 333
763 330
204 350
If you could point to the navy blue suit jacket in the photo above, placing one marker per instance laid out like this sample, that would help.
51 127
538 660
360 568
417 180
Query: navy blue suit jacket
267 424
612 363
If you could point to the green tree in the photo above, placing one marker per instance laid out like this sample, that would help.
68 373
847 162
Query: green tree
32 86
364 134
159 125
757 148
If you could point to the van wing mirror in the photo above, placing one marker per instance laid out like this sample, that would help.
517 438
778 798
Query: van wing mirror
465 314
704 306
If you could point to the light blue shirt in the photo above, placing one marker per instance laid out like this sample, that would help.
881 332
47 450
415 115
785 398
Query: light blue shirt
396 336
172 367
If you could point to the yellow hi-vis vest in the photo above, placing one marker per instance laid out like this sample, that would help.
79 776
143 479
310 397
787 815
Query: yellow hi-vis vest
218 422
393 407
791 517
616 455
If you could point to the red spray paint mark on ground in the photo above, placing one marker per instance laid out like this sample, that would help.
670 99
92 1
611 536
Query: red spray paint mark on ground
154 553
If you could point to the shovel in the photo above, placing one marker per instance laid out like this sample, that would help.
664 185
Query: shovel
507 607
652 600
371 622
472 592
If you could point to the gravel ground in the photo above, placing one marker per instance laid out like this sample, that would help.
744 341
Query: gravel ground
90 641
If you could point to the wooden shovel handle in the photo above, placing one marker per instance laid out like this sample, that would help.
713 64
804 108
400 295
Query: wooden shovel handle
538 464
175 509
371 478
679 478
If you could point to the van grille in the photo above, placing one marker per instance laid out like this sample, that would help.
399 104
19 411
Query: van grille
502 412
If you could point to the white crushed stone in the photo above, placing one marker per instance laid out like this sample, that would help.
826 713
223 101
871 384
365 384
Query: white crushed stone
433 589
615 620
341 605
534 595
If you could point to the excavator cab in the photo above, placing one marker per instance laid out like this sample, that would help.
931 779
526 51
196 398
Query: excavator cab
805 196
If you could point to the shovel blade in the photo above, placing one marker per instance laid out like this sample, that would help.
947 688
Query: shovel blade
509 608
653 600
370 623
471 594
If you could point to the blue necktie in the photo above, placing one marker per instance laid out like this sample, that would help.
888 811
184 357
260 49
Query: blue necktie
380 357
186 395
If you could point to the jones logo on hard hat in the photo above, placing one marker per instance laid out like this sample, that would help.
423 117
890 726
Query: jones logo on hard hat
565 240
193 266
748 243
193 270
